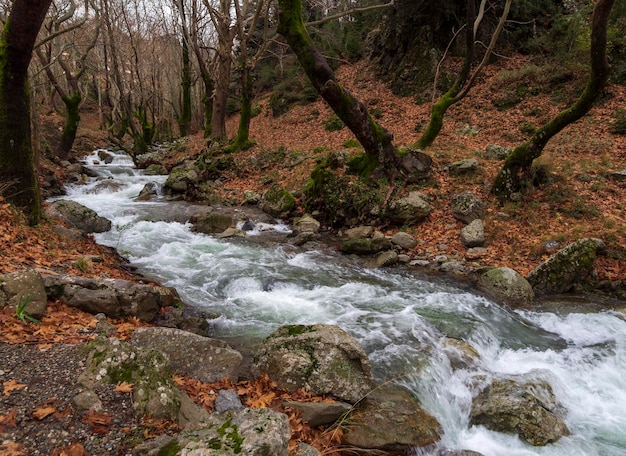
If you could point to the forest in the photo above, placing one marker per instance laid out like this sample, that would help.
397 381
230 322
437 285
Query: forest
348 112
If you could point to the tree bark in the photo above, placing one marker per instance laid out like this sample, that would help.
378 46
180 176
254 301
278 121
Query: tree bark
17 161
376 140
516 169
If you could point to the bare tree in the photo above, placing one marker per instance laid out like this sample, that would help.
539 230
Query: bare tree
18 177
516 169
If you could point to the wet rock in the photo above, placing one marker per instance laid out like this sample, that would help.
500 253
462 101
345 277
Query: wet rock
212 222
460 353
409 210
507 287
24 288
466 207
191 355
473 235
323 359
388 258
567 268
526 408
305 224
403 240
358 232
78 216
155 169
181 178
105 156
390 419
148 190
366 246
231 233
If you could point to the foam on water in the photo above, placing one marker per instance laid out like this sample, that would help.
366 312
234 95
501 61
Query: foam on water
403 321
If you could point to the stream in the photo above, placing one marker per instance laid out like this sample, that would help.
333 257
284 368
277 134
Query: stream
402 319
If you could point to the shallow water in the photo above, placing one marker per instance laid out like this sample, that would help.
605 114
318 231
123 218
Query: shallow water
402 319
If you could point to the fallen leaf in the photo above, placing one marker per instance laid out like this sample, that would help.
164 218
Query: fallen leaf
12 449
75 449
43 412
124 387
11 385
8 421
99 422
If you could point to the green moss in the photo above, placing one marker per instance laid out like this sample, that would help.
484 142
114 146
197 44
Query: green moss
171 449
362 165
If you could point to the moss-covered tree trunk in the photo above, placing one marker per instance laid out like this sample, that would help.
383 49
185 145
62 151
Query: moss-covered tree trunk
207 101
242 140
184 120
375 139
72 104
18 176
516 169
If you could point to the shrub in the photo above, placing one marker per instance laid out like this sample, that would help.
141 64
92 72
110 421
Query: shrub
334 123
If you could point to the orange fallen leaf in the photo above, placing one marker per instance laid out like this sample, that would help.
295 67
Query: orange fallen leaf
12 449
8 421
43 412
11 385
124 387
75 449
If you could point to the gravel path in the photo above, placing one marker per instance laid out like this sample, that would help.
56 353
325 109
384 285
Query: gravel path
37 408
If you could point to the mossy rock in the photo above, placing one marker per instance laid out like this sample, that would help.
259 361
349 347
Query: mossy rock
366 246
213 222
566 269
277 202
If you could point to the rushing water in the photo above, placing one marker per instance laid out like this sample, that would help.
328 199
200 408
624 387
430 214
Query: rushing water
401 319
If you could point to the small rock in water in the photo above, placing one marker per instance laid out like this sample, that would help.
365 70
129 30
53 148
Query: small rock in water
248 226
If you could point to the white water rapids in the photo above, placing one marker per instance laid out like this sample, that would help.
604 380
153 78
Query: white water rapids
401 319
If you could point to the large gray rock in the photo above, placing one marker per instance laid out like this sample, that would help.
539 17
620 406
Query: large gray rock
305 224
358 232
496 152
409 210
78 216
24 288
113 297
403 240
526 408
473 234
390 420
567 268
507 287
111 361
249 432
323 359
212 222
191 355
365 246
277 202
465 166
319 413
466 207
388 258
180 179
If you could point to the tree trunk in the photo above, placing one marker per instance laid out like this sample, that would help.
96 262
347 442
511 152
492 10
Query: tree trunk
516 169
220 96
17 162
207 101
70 128
376 140
242 140
184 120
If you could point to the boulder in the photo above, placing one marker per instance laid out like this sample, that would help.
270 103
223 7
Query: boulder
78 216
403 240
305 224
251 197
466 207
191 355
461 167
409 210
416 164
323 359
365 246
358 232
507 287
227 400
496 152
113 297
567 268
148 190
181 178
473 234
249 432
619 176
390 420
111 361
24 289
277 202
212 222
155 169
388 258
106 156
517 406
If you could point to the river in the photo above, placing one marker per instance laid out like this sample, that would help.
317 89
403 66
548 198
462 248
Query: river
401 319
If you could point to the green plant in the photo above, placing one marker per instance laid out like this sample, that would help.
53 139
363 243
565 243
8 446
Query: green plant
619 122
83 264
22 314
349 143
334 123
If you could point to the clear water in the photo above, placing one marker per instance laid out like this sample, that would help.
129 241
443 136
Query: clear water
401 319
